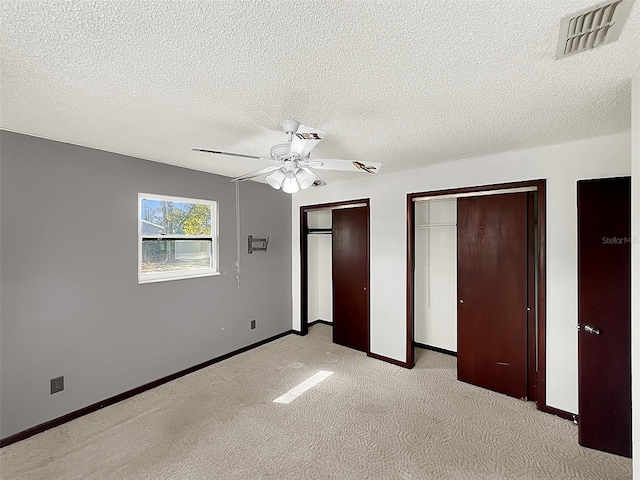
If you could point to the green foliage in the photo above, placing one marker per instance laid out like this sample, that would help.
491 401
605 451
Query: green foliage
197 221
182 218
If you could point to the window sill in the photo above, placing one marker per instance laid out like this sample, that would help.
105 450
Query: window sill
151 278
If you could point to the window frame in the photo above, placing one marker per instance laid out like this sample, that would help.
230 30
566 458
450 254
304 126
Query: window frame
179 274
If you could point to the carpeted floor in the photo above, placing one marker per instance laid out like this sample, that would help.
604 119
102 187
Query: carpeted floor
369 420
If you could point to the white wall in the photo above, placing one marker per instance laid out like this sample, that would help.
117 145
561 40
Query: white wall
435 299
635 268
320 286
562 165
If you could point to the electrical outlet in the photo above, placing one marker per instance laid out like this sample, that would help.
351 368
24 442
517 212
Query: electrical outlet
253 324
57 385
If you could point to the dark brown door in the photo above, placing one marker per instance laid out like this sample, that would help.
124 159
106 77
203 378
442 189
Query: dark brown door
350 244
604 315
492 292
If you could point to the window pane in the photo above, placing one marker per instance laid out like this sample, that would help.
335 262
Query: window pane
162 217
175 255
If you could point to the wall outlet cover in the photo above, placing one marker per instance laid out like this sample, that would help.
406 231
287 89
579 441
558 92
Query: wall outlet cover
57 384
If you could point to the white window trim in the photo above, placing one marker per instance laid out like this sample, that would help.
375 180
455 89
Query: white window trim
179 275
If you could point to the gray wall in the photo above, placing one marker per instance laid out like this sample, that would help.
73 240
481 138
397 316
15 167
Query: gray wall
70 302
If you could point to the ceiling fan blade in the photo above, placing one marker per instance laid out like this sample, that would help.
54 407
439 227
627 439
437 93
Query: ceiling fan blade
319 183
305 139
217 152
343 165
255 174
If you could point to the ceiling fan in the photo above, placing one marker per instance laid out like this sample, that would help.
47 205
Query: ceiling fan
291 171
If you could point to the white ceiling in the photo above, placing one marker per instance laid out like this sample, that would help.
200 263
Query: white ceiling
407 83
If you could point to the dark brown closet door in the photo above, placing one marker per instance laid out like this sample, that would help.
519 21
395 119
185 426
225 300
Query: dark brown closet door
604 315
492 292
350 244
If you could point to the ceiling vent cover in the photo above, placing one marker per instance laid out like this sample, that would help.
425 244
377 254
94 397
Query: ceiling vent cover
592 27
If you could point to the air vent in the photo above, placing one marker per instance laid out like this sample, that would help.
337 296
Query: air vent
592 27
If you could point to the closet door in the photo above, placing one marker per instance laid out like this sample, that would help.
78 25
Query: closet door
604 314
350 246
492 292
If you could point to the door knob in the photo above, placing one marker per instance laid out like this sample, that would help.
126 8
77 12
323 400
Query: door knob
591 330
461 301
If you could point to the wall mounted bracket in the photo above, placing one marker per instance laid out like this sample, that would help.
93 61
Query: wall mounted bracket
258 244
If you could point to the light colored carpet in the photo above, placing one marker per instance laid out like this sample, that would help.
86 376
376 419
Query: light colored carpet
369 420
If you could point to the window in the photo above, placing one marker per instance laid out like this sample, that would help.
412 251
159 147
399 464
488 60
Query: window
177 238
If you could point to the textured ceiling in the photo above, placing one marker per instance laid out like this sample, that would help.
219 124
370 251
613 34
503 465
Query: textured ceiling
407 83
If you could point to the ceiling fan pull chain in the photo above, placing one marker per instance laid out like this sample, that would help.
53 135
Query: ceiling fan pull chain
238 233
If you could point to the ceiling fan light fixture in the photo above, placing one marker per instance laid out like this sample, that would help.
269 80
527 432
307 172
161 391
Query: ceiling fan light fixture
276 179
305 177
290 184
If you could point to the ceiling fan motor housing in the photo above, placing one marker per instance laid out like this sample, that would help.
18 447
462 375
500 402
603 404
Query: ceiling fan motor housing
281 152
